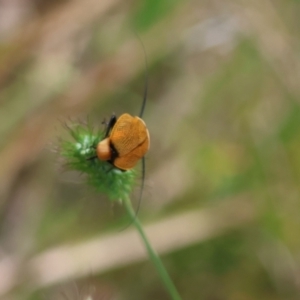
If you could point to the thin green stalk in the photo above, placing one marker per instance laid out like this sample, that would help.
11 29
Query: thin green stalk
169 285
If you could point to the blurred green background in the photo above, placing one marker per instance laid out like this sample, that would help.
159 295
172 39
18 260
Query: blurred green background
221 202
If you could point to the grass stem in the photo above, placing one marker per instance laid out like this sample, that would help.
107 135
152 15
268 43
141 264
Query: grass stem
165 278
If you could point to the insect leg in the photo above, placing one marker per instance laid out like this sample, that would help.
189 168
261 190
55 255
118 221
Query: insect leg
111 123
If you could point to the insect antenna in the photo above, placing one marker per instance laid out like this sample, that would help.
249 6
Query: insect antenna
146 81
142 187
145 95
140 195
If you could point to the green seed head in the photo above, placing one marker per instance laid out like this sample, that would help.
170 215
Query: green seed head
80 155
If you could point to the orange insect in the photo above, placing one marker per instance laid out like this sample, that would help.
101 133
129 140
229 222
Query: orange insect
127 138
126 142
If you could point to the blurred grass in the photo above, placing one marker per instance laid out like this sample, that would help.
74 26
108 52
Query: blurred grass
223 115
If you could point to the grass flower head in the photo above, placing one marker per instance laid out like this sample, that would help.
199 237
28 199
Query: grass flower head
80 155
